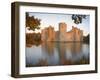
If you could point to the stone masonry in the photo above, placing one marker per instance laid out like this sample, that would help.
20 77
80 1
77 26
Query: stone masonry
49 34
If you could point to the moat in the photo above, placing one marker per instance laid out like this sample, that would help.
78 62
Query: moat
57 53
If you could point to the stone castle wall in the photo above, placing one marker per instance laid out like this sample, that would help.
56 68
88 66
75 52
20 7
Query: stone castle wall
48 34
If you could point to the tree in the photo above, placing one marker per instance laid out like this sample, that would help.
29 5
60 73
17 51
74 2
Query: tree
86 38
32 22
78 18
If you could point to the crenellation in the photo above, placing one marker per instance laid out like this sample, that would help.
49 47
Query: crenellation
49 34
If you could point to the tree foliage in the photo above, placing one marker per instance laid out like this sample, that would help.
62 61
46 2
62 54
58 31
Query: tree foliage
78 18
32 22
86 38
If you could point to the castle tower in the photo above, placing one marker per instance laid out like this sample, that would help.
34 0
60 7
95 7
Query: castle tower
44 34
77 34
62 31
50 33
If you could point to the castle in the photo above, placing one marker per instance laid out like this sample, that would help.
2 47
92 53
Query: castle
49 34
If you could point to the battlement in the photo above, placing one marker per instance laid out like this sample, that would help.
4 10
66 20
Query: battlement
48 34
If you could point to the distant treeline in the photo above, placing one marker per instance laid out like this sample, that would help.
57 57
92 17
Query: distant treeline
86 38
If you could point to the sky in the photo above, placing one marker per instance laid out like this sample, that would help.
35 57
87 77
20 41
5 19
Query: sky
54 19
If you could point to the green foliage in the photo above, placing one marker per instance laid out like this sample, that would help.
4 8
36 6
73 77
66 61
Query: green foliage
86 38
78 18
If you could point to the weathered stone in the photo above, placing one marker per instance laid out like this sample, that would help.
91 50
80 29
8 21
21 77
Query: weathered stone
48 34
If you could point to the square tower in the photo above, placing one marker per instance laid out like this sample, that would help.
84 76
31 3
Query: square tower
62 31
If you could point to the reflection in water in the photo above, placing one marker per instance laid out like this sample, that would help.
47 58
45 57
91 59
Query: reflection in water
57 53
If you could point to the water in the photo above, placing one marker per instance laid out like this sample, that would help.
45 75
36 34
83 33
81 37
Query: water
57 53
